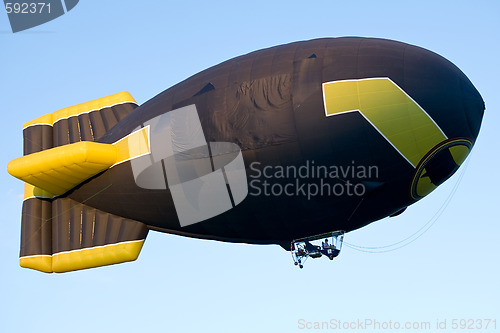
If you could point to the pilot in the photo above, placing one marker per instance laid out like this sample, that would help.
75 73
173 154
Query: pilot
325 244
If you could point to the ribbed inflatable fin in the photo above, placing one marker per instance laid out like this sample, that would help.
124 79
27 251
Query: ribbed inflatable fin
63 235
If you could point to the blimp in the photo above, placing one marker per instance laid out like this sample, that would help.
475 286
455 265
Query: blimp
288 145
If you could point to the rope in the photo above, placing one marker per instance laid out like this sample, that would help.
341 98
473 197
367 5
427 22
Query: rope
417 234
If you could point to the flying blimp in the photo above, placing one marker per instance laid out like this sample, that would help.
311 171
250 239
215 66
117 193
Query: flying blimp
279 146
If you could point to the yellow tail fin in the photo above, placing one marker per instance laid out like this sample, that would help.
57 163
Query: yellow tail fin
63 235
57 170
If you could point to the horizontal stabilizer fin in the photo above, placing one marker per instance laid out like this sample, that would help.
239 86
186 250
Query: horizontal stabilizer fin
57 170
64 235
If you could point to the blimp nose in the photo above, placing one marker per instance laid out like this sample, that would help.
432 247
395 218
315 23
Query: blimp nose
473 107
458 112
444 92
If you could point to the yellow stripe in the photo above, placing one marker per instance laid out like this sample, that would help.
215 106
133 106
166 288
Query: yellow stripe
409 129
133 145
84 258
42 263
46 119
75 110
96 256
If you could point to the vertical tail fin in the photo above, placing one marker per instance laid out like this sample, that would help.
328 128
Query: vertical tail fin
64 235
82 122
36 232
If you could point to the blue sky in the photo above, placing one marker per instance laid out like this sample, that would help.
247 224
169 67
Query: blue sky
188 285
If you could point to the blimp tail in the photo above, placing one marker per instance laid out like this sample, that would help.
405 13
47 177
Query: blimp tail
62 235
59 234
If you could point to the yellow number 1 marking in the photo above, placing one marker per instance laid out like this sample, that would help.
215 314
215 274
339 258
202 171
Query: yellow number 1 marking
393 113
